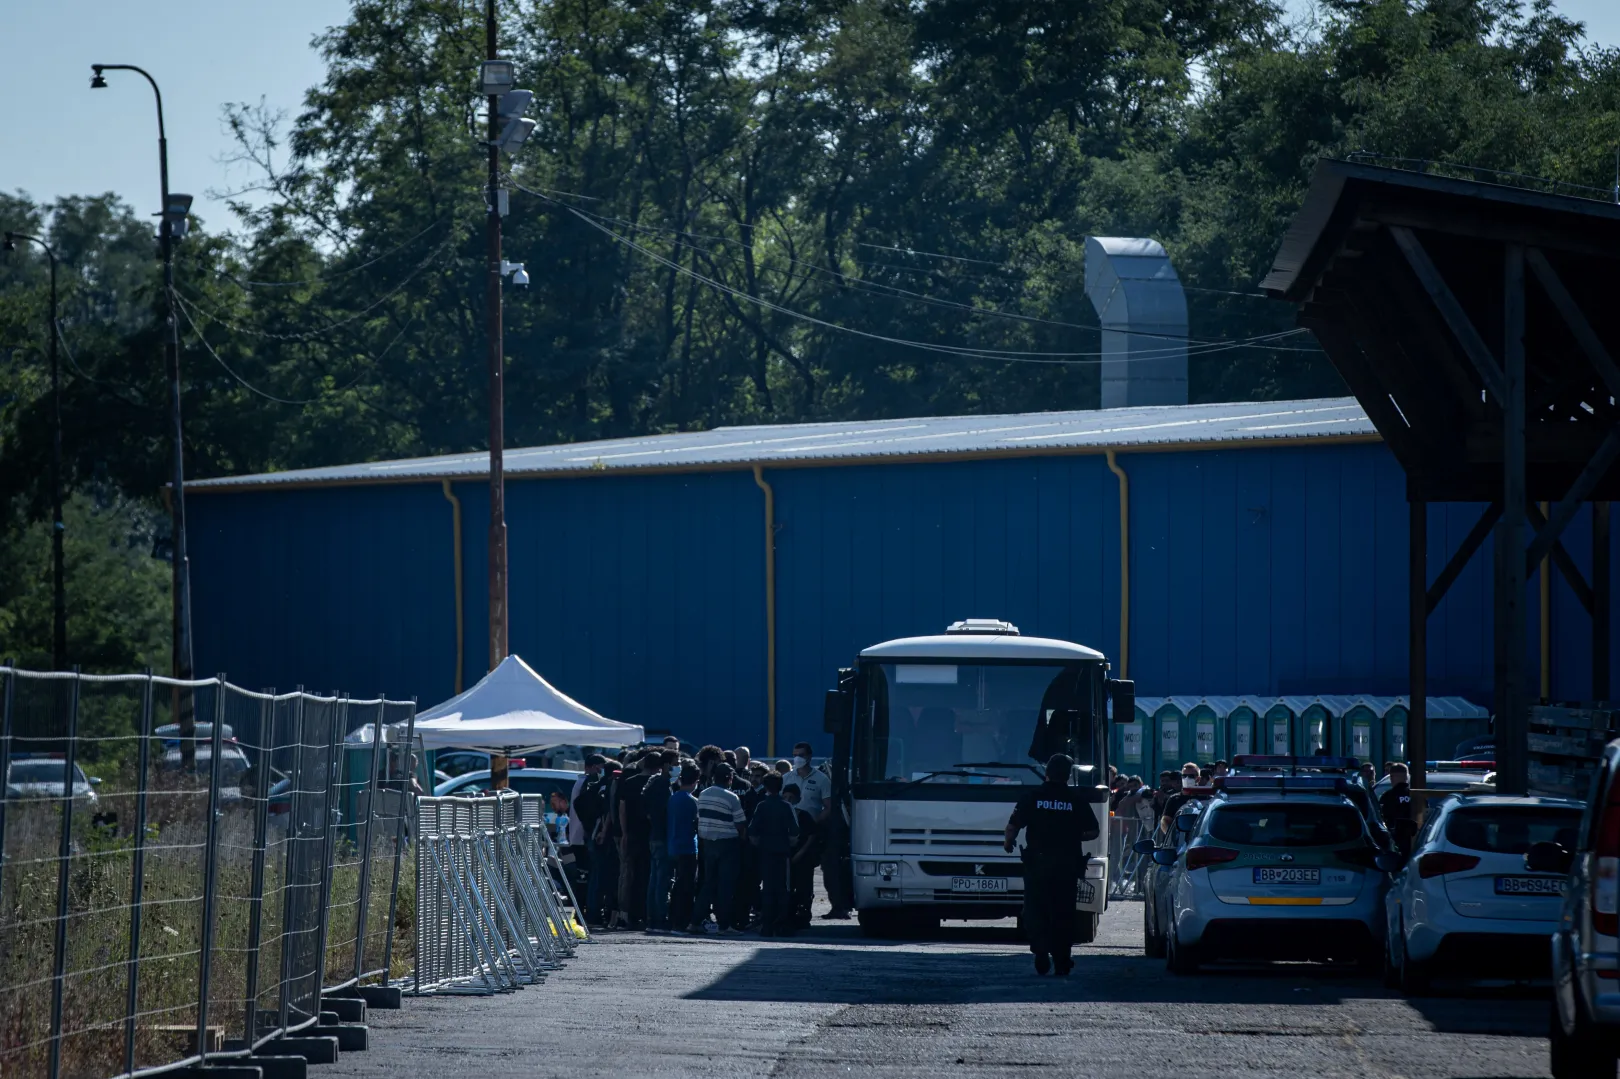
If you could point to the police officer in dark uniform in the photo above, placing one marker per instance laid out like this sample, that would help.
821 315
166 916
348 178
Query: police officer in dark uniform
1395 805
1055 823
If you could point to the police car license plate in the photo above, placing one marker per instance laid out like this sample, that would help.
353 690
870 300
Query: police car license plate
978 884
1529 886
1273 874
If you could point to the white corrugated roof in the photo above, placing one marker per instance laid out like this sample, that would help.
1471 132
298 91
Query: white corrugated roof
1020 434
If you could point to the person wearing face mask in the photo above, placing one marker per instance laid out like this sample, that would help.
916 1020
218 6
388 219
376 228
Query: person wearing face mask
816 809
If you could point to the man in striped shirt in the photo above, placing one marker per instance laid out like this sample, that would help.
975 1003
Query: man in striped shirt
720 828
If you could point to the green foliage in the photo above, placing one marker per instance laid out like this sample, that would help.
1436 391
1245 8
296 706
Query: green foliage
741 211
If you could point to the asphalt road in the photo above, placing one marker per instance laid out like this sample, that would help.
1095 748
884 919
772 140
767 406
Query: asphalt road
968 1004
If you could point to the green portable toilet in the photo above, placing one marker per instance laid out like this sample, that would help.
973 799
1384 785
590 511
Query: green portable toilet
1278 727
1174 747
1363 725
1337 737
1148 732
1242 727
1396 717
1127 748
1312 731
1205 722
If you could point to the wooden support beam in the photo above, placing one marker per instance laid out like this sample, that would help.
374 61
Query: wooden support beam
1473 345
1460 558
1512 715
1579 491
1560 557
1417 646
1575 319
1602 598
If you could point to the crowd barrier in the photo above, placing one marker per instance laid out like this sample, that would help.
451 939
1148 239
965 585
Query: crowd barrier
1124 864
490 885
196 901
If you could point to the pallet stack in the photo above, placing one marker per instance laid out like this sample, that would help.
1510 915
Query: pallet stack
1565 744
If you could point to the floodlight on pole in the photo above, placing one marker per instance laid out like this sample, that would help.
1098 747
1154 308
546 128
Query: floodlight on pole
514 103
515 134
496 77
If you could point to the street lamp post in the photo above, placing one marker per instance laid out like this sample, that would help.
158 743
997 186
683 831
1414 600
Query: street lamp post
58 584
172 223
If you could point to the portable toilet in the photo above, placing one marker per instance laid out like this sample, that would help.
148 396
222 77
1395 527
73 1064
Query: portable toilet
1205 722
1453 720
1363 737
1148 733
1313 729
1127 751
1279 729
1395 720
1241 733
1169 721
1336 741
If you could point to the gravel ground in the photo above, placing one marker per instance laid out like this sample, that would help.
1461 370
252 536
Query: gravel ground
830 1002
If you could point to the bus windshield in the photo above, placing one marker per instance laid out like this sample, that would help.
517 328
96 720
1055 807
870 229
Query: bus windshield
979 723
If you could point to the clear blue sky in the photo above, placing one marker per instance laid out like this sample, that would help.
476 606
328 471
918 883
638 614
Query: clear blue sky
59 138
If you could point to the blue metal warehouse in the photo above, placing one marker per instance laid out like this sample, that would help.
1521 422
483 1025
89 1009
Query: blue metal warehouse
1266 556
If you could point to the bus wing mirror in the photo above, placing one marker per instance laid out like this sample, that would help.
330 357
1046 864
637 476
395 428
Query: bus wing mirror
835 713
1122 691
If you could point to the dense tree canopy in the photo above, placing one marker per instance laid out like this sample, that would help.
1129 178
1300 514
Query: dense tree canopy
739 211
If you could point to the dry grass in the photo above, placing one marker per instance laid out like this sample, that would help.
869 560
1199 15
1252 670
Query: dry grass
100 873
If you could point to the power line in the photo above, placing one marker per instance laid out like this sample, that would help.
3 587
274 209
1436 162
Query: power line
864 284
215 317
335 274
1009 356
184 306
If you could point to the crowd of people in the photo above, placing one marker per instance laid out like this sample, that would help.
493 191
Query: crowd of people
719 842
1155 808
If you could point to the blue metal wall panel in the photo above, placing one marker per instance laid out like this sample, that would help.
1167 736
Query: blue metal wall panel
1266 570
332 589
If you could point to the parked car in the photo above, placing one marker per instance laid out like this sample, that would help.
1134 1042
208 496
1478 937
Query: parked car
1158 876
457 762
523 780
44 777
1585 1022
1278 868
1464 904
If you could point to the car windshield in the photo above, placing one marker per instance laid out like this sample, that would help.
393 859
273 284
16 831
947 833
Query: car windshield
1285 825
41 771
1512 829
972 723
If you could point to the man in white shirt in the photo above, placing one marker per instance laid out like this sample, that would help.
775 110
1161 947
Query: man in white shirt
816 801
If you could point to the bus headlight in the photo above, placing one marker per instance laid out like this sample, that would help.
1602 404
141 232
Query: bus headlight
865 869
889 870
1094 870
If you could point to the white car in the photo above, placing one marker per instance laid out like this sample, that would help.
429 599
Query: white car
41 777
1464 904
1289 872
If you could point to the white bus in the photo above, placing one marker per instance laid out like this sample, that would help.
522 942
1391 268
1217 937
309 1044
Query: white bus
935 738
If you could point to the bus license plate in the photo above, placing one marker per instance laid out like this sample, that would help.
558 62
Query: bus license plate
1272 874
978 884
1529 886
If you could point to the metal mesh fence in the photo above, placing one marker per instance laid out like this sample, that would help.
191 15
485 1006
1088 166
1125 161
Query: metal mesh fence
178 875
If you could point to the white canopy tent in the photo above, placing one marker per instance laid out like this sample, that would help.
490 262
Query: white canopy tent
513 710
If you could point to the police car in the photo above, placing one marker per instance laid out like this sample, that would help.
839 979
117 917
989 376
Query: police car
1158 875
1465 903
1280 866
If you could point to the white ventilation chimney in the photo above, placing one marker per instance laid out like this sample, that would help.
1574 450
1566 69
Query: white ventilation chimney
1143 310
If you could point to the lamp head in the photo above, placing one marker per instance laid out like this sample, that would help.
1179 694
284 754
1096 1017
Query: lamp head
96 81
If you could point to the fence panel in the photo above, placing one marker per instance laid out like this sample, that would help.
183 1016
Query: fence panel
310 831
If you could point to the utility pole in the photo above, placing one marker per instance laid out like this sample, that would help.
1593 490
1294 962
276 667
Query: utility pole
498 640
58 582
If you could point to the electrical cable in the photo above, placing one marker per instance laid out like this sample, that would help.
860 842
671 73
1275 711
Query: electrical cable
1009 356
868 285
184 307
215 317
333 275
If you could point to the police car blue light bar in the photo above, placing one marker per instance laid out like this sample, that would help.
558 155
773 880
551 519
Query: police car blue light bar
1270 761
1235 784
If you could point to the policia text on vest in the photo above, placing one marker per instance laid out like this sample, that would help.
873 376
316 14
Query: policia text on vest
1055 825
